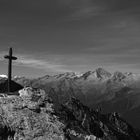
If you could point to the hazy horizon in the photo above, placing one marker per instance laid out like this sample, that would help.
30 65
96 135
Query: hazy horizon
77 73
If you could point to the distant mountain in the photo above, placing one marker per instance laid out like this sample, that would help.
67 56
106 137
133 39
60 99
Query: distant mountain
117 91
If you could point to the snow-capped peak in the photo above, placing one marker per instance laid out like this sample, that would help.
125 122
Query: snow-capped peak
71 74
3 76
15 77
78 74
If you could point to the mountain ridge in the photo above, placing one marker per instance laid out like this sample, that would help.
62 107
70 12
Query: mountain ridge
116 91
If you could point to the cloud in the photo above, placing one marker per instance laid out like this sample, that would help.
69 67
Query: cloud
82 9
32 62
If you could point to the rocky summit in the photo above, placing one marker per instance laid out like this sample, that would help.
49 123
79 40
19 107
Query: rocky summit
32 116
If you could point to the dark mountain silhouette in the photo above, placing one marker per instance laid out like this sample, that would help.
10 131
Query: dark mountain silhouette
4 86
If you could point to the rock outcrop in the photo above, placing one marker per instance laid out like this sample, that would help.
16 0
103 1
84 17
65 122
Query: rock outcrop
29 117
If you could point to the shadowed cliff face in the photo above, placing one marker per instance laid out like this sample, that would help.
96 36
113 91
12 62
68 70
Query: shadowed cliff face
83 120
31 116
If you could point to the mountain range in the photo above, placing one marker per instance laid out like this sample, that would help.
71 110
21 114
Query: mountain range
98 89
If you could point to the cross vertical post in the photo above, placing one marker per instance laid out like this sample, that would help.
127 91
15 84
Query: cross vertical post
10 57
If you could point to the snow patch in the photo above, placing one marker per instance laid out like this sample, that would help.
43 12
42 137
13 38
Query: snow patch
3 76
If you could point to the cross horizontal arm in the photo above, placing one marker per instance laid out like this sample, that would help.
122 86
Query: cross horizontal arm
9 57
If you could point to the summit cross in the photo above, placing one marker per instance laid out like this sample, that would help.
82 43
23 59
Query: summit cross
10 57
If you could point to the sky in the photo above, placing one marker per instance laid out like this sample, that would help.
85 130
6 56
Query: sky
57 36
